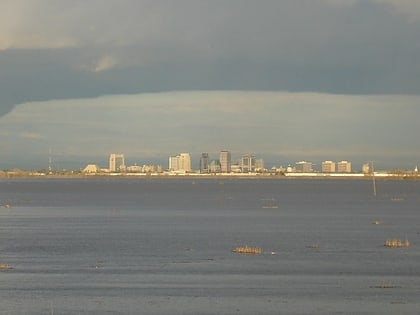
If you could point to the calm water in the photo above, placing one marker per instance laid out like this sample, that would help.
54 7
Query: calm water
164 246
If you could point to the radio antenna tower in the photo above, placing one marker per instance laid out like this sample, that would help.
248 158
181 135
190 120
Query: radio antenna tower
49 162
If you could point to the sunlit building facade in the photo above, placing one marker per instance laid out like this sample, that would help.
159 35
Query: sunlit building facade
225 161
184 162
366 168
303 167
344 167
116 162
248 163
328 167
180 163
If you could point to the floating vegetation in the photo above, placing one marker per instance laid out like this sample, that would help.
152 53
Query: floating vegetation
5 267
398 302
269 203
248 250
313 246
385 285
397 243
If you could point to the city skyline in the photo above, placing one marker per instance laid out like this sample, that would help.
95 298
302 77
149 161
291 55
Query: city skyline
290 79
224 162
184 163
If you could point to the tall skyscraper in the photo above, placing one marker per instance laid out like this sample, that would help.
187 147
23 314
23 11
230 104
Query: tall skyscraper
116 162
225 161
204 163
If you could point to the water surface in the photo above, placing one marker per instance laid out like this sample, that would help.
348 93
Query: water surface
164 246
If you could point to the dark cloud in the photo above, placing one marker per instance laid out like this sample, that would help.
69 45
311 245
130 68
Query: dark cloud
61 49
77 50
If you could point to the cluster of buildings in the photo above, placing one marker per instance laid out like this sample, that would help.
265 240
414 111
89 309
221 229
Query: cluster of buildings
248 163
117 165
326 167
181 164
221 164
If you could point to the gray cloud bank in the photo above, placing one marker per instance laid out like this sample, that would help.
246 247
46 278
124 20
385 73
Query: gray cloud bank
70 49
351 69
280 126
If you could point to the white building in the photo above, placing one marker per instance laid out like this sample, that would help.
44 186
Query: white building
184 162
91 168
180 163
303 167
247 163
328 167
366 168
344 167
134 169
116 162
173 163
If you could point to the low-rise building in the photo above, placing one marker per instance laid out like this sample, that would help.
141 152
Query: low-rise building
366 168
214 166
91 168
303 167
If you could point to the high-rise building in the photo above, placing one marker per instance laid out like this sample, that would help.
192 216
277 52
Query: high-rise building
184 162
225 161
344 167
247 163
204 163
328 167
116 162
180 163
173 163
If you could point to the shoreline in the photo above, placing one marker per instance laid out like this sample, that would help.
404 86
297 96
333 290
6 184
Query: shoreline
194 176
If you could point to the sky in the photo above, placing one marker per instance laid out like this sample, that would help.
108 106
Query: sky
287 80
